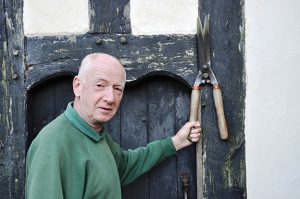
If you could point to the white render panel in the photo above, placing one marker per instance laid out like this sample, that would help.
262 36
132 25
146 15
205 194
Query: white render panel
152 17
55 17
272 103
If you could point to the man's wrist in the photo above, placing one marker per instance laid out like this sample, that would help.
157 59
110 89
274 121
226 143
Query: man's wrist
177 143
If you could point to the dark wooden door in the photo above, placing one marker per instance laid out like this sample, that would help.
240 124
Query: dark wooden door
45 102
151 109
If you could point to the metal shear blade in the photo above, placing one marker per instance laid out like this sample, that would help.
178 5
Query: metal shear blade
203 37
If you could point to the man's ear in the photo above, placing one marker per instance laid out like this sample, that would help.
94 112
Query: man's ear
76 86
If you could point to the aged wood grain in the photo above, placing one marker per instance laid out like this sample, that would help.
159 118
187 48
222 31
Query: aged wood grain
12 99
134 133
109 17
224 162
141 55
161 124
186 162
45 102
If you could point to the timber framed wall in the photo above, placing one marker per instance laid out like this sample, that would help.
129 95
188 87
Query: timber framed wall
27 62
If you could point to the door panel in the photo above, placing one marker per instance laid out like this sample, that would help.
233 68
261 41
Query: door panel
45 102
153 109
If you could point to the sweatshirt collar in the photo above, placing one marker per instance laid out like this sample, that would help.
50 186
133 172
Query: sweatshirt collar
82 125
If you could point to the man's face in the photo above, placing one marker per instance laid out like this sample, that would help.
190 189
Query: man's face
100 91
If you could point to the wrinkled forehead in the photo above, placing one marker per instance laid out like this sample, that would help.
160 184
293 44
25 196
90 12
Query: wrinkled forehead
103 68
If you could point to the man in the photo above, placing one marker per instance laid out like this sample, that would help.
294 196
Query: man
74 156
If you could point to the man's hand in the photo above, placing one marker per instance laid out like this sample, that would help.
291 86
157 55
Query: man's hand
188 134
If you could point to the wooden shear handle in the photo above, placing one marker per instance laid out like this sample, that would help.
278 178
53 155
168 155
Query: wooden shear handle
195 108
220 112
195 115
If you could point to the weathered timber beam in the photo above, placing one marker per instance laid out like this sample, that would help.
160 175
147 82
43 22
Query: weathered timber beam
224 162
173 55
108 16
12 101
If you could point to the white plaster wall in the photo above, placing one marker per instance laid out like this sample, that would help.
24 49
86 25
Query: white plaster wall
55 17
272 110
150 17
60 17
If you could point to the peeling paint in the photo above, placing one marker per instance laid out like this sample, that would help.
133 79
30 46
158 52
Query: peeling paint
126 12
71 38
5 89
184 71
9 23
190 53
61 50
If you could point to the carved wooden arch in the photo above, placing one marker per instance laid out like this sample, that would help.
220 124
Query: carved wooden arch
65 76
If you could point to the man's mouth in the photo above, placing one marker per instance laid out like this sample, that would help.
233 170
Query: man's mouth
106 109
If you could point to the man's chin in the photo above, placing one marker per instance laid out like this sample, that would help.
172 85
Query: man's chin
104 119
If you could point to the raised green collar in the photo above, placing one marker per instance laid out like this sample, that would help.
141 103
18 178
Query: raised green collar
82 125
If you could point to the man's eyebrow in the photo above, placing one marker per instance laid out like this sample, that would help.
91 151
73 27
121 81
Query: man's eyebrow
105 80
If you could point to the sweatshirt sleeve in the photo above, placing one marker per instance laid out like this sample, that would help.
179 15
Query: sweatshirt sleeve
43 172
133 163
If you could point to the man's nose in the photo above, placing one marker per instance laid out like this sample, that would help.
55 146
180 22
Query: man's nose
109 96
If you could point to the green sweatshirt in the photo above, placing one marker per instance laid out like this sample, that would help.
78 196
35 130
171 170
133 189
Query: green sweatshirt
68 159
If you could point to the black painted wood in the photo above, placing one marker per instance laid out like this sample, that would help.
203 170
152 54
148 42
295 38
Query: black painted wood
141 55
134 133
224 162
45 102
4 106
109 17
186 161
162 124
12 105
153 109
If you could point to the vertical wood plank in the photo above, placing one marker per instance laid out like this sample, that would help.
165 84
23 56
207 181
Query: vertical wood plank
161 124
114 128
108 16
186 161
224 162
134 134
4 108
40 109
45 102
12 109
63 93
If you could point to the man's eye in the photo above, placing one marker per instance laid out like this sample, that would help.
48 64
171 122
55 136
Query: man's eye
99 86
119 89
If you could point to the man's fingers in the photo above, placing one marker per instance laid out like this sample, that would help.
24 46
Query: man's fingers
194 124
195 130
193 139
195 133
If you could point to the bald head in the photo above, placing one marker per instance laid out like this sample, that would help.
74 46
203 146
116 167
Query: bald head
99 60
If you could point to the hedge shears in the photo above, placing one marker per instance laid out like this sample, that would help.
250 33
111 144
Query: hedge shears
206 76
